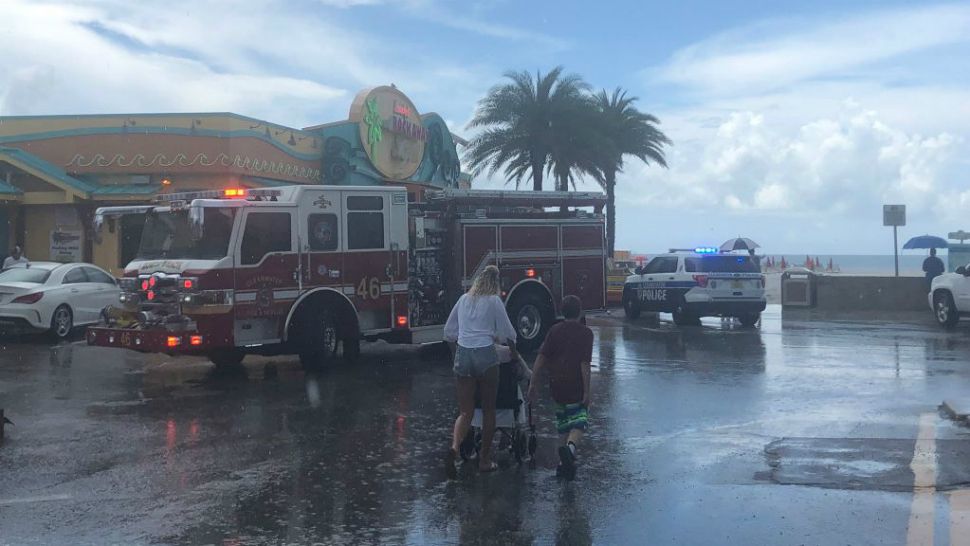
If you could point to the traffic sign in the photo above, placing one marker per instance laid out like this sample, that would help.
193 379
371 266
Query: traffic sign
894 215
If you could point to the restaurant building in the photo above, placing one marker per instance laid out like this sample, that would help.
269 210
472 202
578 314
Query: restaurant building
56 170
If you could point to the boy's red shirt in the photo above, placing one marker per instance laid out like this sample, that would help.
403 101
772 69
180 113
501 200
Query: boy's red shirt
568 344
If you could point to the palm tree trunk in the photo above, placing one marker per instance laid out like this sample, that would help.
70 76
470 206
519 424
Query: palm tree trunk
610 211
537 167
563 185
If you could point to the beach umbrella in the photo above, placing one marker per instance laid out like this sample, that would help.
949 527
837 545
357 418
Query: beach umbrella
739 243
925 241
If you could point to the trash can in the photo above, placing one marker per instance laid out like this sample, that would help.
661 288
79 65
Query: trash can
798 288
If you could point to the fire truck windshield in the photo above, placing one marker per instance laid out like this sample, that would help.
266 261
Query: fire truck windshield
169 235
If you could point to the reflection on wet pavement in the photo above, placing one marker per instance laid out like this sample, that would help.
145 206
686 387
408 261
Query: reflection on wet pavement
694 430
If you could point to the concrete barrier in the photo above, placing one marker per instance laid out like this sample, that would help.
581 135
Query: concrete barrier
869 293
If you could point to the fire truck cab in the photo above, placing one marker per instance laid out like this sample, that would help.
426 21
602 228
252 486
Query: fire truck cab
306 269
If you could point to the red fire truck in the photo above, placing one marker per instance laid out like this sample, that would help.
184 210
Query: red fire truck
306 269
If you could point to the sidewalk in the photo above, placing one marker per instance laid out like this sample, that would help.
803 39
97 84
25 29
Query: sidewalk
957 409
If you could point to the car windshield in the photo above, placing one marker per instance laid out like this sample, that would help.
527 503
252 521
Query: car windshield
169 235
25 274
722 264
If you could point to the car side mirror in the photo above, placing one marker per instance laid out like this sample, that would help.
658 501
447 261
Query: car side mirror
962 270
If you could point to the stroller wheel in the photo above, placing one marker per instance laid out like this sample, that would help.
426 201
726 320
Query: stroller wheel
519 446
468 447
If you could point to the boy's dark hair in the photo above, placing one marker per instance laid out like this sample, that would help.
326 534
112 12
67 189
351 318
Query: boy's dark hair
572 306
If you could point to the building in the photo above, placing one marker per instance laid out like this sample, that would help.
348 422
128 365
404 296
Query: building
56 170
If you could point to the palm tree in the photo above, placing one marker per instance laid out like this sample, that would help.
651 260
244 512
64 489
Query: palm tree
579 145
520 121
631 132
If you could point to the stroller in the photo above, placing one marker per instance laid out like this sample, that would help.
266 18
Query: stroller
510 419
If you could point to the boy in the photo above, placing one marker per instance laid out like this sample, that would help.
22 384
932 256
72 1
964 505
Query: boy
566 354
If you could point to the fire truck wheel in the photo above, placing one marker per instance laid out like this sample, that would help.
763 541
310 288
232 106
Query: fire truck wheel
532 317
225 358
351 348
318 339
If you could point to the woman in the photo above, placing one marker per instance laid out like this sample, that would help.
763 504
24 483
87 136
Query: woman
475 324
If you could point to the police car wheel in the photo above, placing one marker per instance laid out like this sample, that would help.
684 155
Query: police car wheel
684 318
749 320
631 307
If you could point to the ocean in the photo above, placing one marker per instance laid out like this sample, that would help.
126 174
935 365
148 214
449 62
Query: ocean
910 263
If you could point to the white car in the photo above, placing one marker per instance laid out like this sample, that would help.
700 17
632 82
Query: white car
949 296
54 297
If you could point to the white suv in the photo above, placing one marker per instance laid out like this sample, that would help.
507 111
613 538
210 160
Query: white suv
949 296
698 283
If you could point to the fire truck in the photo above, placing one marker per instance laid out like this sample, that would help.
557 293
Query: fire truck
307 269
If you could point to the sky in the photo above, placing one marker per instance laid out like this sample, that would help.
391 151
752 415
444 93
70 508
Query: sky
792 122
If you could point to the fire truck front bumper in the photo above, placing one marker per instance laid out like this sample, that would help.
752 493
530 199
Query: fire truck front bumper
148 341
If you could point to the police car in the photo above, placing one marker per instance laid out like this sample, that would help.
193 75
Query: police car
695 283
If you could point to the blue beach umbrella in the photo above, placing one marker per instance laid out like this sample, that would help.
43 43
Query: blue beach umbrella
925 241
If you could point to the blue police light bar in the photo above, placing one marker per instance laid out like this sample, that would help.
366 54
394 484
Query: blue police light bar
706 250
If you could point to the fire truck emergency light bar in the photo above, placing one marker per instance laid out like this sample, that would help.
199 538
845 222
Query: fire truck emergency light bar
520 198
230 193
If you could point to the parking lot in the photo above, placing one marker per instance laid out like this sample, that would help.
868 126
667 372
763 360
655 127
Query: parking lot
805 431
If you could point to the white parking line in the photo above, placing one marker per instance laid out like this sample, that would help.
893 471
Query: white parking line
960 517
29 500
921 516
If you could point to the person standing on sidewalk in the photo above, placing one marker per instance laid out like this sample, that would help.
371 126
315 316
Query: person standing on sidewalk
567 354
933 267
476 323
16 259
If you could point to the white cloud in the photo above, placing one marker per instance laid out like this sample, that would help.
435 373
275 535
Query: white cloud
829 166
746 59
58 64
297 67
474 18
350 3
797 132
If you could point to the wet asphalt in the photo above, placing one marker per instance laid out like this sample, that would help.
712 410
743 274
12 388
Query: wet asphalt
803 431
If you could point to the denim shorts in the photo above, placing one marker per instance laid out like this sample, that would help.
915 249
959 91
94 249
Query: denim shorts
476 361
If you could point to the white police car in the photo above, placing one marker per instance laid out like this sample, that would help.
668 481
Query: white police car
695 283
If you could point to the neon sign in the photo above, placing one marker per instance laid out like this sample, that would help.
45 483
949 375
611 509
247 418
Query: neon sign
407 128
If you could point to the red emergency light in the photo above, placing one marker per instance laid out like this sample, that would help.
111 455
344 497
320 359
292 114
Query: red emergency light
173 341
195 340
234 192
187 284
402 320
530 273
150 295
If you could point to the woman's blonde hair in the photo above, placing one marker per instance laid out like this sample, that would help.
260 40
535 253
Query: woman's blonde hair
486 283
